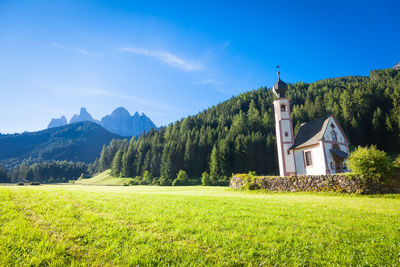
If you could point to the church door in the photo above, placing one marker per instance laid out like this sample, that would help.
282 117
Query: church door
338 165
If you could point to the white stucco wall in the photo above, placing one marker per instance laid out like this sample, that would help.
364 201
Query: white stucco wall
318 161
339 134
289 159
341 142
286 128
299 159
282 126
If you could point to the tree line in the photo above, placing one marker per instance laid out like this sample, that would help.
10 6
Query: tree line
45 172
238 135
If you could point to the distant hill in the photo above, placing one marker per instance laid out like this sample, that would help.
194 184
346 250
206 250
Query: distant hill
74 142
118 122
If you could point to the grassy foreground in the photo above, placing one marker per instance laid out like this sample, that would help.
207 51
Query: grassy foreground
95 225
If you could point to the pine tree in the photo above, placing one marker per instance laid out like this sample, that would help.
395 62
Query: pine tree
117 164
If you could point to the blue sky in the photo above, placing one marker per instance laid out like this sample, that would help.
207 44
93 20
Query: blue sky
172 59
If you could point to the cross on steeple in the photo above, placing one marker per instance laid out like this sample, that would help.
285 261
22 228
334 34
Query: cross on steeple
277 67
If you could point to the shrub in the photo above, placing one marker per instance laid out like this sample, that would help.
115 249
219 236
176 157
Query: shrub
133 182
181 178
164 181
20 183
396 162
205 179
34 183
371 164
147 177
143 182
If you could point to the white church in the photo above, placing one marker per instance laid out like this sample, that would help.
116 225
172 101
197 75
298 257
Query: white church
319 147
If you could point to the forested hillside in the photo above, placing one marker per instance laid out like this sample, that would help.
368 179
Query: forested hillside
238 135
46 172
75 142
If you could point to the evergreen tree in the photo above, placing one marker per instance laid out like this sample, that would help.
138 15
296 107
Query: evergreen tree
117 164
3 175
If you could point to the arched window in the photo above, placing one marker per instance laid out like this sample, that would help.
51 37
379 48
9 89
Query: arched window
283 107
334 136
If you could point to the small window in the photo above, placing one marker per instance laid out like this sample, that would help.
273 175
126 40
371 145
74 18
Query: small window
283 107
333 126
308 158
288 152
334 136
286 134
332 166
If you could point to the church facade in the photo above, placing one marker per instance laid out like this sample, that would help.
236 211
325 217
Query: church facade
319 147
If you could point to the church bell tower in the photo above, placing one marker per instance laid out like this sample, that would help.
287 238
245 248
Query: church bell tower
284 129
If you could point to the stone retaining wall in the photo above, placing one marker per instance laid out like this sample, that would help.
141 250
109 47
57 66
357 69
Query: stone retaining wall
316 183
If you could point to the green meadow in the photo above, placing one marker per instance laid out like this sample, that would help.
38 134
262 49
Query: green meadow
150 225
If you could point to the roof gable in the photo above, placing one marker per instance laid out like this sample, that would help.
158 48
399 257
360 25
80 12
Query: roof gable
311 132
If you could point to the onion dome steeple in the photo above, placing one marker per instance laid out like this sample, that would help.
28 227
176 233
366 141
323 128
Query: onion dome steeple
280 87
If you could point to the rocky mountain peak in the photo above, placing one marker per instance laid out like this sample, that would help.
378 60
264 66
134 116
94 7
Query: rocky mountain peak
120 112
118 122
83 116
58 122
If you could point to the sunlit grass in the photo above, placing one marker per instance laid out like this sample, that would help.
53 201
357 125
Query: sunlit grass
95 225
104 178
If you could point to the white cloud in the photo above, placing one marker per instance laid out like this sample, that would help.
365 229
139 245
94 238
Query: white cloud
209 82
76 50
167 58
99 92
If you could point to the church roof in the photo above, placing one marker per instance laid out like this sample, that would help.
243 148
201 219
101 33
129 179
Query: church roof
397 66
280 88
311 133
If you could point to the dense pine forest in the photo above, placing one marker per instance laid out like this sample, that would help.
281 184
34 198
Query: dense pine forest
45 172
238 135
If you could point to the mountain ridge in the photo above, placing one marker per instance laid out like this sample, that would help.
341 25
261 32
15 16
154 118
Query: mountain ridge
81 141
119 122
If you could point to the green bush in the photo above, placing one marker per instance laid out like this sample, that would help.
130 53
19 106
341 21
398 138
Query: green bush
34 183
371 164
181 178
205 179
133 182
20 183
147 177
164 181
396 163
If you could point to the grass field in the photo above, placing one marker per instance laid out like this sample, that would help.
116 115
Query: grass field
99 225
104 178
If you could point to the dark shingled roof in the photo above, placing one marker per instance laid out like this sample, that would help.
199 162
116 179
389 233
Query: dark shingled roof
310 133
339 153
280 88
